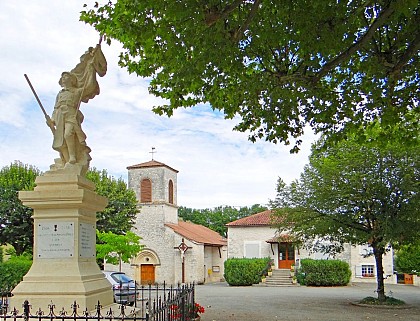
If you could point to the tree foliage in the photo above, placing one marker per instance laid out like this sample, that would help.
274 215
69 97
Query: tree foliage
278 65
407 259
16 224
118 217
217 218
116 248
358 194
13 270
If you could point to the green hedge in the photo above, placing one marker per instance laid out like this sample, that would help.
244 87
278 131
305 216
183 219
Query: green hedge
244 271
13 270
324 272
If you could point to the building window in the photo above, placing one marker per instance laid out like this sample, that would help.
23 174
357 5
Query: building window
146 191
368 271
171 192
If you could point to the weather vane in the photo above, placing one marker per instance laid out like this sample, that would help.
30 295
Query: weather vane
152 152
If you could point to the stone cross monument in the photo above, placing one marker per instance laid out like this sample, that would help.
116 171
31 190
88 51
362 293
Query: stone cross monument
65 203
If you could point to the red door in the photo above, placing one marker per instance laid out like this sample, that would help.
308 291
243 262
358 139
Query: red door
147 274
286 255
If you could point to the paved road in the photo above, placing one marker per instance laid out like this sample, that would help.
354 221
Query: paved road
226 303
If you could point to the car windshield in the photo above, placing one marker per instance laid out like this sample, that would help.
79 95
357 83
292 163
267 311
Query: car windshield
120 277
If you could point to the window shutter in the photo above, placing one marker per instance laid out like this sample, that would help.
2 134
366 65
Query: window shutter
358 273
146 191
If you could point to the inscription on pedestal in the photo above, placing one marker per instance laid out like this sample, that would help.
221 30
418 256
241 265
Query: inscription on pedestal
87 240
55 240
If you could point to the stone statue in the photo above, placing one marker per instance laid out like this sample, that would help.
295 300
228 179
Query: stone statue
79 85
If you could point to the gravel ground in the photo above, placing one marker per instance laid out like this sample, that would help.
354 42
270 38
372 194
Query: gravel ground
255 303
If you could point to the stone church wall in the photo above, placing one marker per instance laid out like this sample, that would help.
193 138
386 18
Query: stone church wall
160 182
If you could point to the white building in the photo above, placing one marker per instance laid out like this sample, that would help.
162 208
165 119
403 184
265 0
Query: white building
254 236
175 251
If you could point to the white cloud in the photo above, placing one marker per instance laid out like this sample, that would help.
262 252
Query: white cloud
216 165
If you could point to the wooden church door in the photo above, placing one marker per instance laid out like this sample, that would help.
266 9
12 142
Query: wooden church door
147 274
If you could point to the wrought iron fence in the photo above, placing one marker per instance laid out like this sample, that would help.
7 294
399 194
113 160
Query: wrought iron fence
153 303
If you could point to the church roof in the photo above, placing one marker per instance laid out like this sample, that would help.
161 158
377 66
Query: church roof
259 219
151 163
198 233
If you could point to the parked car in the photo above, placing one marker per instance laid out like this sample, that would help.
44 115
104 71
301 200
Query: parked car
123 286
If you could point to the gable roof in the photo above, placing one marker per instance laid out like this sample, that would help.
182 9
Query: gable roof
198 233
259 219
151 163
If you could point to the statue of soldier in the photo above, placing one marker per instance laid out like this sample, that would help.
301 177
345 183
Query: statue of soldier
78 85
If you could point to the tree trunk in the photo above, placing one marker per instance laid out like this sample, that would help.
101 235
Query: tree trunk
379 273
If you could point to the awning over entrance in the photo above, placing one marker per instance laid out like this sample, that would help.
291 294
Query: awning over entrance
280 238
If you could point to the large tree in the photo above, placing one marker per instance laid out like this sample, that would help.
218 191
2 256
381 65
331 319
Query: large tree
118 217
358 194
16 224
278 65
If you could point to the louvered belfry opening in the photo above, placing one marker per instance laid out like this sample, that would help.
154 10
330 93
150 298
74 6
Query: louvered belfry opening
146 191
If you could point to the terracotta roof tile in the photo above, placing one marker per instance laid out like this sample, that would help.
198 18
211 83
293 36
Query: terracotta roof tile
151 163
259 219
198 233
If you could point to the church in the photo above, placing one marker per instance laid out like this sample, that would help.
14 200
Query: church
174 251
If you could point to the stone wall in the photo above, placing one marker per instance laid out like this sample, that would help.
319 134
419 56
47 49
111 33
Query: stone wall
159 176
214 259
239 237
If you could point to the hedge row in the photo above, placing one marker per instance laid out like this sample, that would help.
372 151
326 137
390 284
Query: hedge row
323 272
13 270
244 271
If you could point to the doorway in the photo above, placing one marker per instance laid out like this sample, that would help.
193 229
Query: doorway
147 274
286 255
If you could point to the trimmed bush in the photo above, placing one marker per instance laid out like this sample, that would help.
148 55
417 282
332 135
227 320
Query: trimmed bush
243 272
324 272
13 270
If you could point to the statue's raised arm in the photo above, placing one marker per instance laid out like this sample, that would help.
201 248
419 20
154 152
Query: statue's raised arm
79 85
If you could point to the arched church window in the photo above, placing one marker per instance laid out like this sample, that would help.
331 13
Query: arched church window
146 191
171 192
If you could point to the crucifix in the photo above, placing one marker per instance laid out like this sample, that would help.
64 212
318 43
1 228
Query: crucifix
152 152
182 249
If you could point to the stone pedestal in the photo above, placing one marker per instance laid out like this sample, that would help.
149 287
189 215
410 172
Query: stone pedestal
64 266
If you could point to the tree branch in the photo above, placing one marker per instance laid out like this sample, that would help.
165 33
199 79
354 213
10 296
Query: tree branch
380 21
412 49
213 16
238 33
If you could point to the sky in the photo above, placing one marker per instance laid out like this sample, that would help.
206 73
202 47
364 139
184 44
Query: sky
217 166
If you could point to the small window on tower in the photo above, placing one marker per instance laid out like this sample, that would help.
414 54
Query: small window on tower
146 191
171 192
